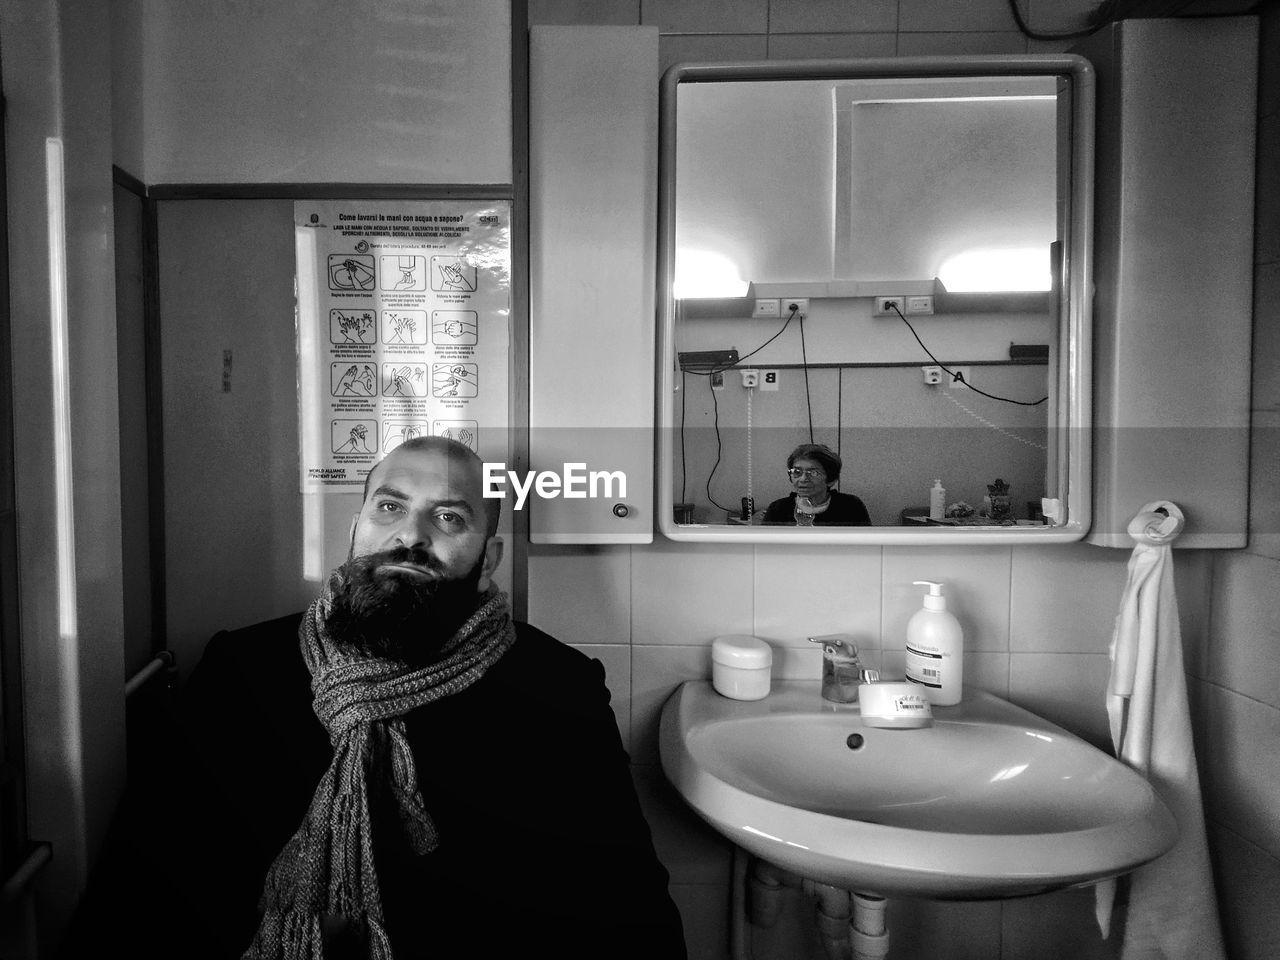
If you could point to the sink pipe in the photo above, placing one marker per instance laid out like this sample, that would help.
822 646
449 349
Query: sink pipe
850 925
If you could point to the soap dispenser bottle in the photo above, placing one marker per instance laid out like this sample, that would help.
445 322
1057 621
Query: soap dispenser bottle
935 648
937 501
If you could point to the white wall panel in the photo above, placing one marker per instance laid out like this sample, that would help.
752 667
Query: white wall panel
593 145
294 91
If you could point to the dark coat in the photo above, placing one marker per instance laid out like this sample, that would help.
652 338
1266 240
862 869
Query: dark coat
844 510
543 846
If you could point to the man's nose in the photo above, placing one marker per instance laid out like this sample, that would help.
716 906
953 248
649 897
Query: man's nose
415 531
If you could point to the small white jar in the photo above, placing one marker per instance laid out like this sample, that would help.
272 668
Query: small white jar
741 667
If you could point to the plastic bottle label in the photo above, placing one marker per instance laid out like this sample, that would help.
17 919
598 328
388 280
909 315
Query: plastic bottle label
924 668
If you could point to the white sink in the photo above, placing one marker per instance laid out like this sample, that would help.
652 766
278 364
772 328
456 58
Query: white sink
990 801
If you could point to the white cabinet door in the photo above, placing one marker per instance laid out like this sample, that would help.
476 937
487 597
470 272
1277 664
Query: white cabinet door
593 155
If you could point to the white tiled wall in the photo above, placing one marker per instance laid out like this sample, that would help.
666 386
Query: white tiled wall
1037 619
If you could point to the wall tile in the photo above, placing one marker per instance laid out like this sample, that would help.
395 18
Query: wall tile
976 584
656 671
595 12
832 16
1243 789
1193 585
1248 881
987 671
690 593
1065 598
704 908
581 594
947 15
940 44
712 16
893 664
1057 926
1264 484
1069 689
802 663
617 677
804 591
691 851
710 49
1198 693
1244 654
802 46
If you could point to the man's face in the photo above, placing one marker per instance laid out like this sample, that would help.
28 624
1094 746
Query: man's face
420 557
433 505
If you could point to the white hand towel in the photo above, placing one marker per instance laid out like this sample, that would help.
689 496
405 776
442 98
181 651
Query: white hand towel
1173 912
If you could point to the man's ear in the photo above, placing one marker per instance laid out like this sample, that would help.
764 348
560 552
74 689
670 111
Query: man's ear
492 557
351 536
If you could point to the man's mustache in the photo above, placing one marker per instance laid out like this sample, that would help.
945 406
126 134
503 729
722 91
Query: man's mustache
416 556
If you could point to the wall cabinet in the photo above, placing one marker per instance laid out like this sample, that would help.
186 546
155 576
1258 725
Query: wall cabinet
1173 264
593 156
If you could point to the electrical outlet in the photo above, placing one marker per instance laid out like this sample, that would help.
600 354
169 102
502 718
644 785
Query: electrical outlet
798 305
750 378
961 372
932 375
889 306
766 308
768 379
920 305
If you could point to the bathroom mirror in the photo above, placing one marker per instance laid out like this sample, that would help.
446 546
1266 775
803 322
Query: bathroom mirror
889 258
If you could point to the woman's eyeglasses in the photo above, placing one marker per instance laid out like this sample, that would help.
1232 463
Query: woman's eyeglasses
809 473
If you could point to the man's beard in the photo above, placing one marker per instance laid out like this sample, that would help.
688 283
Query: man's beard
397 616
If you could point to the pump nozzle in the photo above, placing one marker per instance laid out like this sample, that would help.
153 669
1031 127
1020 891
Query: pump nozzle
933 600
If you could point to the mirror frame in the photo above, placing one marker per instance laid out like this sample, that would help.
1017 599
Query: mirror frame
1075 333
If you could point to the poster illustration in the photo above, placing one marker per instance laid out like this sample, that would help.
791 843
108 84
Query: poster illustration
403 323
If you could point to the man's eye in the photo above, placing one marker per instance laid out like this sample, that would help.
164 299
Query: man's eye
448 518
388 506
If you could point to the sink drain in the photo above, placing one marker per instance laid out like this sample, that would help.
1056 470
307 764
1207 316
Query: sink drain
854 741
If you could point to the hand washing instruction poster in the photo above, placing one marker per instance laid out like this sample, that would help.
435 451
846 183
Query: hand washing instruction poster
403 323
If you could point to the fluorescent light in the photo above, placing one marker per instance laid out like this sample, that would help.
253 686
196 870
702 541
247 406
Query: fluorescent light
309 404
63 489
702 274
68 691
991 271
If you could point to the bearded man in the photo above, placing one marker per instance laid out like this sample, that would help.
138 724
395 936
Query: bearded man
403 771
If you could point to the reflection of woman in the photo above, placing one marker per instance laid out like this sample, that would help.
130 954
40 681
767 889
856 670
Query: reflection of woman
814 470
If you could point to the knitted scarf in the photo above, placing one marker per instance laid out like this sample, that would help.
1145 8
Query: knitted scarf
324 878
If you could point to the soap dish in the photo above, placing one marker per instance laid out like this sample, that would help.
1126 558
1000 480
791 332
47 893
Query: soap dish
894 704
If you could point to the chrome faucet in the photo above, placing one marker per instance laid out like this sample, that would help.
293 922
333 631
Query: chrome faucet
842 671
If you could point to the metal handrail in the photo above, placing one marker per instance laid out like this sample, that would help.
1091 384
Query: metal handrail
18 881
42 851
163 661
